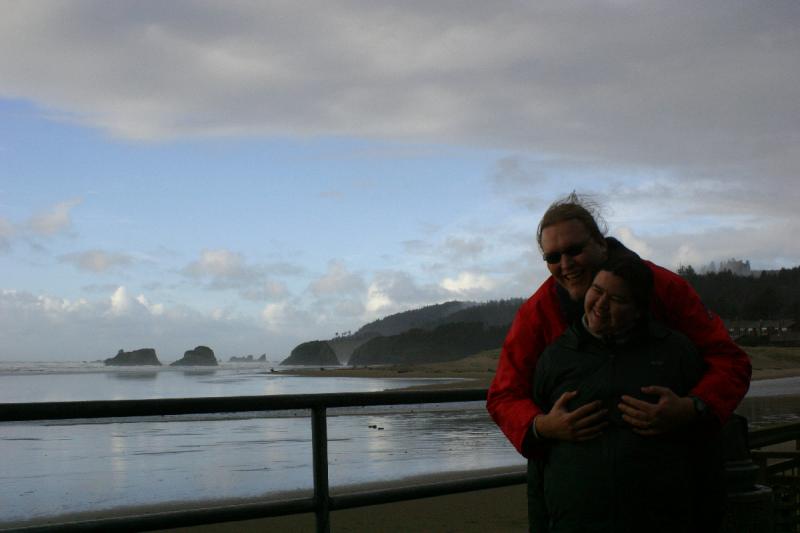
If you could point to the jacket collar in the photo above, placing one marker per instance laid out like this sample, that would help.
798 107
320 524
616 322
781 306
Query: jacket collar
577 336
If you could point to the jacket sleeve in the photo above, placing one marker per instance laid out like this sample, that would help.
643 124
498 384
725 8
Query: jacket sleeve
727 377
510 400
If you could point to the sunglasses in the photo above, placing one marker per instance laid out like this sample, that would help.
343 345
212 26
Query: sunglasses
571 251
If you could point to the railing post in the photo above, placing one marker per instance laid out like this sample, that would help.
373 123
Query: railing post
319 443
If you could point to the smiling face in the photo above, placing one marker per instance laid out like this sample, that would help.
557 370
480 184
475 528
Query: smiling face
609 305
573 272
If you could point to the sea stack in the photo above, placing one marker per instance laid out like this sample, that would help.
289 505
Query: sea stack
142 356
200 356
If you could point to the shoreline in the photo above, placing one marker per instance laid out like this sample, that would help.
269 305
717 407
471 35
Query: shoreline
335 490
477 371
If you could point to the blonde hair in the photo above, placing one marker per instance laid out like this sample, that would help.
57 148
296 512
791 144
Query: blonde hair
578 207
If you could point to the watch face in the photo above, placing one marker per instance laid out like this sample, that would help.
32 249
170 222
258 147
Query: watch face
699 405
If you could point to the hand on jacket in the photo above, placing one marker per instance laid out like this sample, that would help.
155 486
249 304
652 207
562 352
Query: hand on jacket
668 413
584 423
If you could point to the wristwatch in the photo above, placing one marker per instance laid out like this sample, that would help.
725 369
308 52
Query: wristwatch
700 407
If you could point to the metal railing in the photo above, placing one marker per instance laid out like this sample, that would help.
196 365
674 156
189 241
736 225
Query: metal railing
321 503
780 470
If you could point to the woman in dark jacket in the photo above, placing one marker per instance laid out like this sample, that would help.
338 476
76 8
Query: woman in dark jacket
621 481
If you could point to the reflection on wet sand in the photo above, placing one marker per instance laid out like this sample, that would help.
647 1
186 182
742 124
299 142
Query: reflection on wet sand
763 411
136 374
200 372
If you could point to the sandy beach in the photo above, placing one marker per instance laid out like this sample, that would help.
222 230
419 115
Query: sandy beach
478 370
500 510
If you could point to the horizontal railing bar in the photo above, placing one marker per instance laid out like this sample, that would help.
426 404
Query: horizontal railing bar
362 499
776 455
759 438
783 466
187 518
14 412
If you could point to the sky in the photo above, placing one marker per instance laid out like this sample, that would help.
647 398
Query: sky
252 175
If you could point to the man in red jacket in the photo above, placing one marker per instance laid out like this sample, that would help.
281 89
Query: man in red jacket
574 247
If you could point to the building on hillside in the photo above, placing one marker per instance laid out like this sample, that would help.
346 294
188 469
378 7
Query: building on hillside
760 328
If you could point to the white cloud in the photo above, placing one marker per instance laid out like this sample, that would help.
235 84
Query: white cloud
288 319
120 302
221 263
337 280
468 283
94 329
698 89
635 243
55 220
377 299
97 260
224 269
154 309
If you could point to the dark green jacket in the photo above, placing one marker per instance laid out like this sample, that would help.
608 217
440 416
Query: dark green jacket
618 482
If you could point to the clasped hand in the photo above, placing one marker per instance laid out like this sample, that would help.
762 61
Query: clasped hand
588 421
668 413
584 423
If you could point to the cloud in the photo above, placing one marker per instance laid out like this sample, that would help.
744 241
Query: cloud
55 220
97 260
701 90
287 318
120 302
468 284
222 269
154 309
392 291
84 329
337 281
635 243
266 291
461 248
6 233
515 174
762 244
221 265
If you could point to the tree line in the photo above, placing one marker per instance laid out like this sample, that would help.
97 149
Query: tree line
772 294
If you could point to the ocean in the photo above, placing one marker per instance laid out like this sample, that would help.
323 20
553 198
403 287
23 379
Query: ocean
65 467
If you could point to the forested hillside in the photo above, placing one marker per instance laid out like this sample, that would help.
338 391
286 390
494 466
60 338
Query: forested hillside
424 317
771 295
444 343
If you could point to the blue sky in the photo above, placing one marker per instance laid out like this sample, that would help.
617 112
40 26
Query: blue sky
253 176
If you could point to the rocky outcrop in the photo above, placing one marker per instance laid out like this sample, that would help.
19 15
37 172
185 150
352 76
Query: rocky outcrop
200 356
140 357
313 353
248 359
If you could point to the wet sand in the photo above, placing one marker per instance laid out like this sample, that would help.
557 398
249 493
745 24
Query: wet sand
501 510
498 510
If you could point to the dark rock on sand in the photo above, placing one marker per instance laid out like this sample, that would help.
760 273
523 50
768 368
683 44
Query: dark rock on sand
200 356
142 356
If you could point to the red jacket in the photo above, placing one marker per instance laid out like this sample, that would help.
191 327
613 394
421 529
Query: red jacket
540 321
